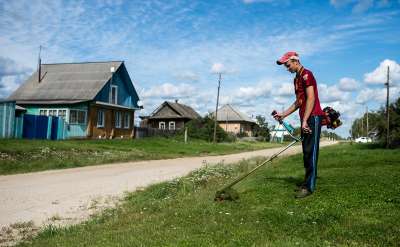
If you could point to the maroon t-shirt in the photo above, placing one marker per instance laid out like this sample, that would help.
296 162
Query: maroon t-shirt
304 79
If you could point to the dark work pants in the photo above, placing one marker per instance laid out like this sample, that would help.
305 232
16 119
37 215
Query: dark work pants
310 151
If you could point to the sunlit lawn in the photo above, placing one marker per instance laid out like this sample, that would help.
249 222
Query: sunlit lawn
357 203
19 156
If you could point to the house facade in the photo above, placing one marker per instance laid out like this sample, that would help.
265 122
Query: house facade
95 99
169 115
234 121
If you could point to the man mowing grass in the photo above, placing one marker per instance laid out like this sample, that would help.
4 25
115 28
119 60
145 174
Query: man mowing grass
310 116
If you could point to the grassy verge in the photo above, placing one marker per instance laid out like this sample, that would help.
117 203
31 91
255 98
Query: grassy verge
356 204
19 156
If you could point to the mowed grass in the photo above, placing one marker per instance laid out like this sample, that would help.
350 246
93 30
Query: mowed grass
357 203
20 156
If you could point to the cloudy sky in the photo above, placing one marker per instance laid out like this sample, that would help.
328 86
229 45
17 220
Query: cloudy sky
173 49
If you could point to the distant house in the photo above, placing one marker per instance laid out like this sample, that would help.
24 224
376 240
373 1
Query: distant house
169 115
96 99
234 121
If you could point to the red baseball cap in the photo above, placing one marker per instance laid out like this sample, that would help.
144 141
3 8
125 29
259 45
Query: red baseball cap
288 55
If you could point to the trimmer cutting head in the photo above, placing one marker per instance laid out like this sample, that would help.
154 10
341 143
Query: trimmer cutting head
228 194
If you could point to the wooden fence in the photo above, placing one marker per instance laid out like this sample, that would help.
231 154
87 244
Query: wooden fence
142 132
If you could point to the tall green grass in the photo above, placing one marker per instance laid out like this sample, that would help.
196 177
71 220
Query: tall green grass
19 156
357 203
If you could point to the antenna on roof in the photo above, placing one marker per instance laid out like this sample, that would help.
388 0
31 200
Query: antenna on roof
39 65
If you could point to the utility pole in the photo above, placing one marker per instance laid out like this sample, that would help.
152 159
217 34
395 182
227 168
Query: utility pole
387 108
367 121
362 125
40 65
216 109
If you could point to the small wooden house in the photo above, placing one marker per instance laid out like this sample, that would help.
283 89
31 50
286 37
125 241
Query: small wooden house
170 115
96 99
234 121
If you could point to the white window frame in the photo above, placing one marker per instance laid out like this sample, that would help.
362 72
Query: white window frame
161 124
63 117
102 113
77 116
170 124
127 120
46 112
52 112
118 119
116 94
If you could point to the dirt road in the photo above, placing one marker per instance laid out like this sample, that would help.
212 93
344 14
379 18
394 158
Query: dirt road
71 195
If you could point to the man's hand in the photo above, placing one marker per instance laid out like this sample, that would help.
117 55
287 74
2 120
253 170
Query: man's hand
277 115
306 129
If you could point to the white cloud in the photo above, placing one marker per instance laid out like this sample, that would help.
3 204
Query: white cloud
218 68
365 95
286 89
10 67
377 95
329 94
348 84
249 96
362 6
8 84
254 92
11 76
187 76
359 6
170 91
379 75
283 101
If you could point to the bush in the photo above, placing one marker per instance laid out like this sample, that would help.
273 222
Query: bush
242 134
203 129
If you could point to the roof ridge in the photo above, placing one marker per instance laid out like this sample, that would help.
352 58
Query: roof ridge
173 107
240 115
237 113
121 61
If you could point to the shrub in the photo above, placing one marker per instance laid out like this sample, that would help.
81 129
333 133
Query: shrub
203 129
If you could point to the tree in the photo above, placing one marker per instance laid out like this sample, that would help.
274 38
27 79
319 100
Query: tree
378 126
261 129
333 135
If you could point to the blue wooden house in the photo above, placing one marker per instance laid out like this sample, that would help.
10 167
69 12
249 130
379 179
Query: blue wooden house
95 99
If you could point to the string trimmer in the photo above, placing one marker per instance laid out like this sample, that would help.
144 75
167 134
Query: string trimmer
228 193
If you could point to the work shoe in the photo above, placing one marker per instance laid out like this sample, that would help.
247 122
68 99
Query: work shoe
303 192
300 185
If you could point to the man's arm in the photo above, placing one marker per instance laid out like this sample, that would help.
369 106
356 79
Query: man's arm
290 110
310 100
287 112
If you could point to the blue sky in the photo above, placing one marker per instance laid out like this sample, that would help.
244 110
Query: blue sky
170 48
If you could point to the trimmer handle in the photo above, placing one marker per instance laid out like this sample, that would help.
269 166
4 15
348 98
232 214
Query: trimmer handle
289 128
273 113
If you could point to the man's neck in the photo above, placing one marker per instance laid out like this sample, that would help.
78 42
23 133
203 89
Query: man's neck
299 69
